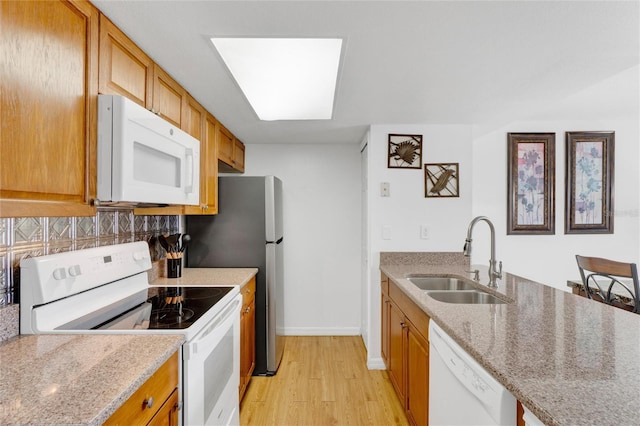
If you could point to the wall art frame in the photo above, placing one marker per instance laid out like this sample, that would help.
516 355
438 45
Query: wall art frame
441 180
589 179
531 183
404 151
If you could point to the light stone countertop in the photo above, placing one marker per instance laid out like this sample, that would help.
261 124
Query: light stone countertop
75 379
209 277
553 350
81 379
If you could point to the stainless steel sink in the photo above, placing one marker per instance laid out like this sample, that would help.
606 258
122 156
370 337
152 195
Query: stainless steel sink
439 283
466 297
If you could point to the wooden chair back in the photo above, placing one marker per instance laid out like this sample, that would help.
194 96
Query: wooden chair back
592 268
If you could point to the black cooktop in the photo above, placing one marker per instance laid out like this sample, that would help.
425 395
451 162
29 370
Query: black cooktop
180 307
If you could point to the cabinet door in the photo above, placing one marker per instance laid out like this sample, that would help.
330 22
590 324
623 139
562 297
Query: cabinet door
225 145
247 335
417 377
124 68
169 98
385 318
167 415
210 171
238 155
193 122
397 330
49 109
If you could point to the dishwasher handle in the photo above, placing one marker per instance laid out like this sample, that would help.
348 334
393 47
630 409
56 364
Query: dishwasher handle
467 370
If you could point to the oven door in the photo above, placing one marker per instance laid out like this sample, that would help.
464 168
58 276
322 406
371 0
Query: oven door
212 371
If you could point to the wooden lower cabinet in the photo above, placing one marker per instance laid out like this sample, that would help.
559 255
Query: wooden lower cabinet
405 350
168 414
417 354
247 335
155 402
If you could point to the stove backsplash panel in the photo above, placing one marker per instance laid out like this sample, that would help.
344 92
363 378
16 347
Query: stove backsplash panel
37 236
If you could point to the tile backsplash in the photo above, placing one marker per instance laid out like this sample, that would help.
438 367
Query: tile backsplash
37 236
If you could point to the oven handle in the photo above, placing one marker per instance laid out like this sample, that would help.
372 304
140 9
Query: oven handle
233 308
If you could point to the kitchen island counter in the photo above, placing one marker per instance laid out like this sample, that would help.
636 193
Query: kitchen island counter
76 379
551 349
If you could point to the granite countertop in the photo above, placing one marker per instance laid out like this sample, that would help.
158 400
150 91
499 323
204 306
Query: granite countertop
553 350
75 379
209 277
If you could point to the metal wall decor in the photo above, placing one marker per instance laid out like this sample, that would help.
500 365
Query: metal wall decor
404 152
589 183
441 180
531 183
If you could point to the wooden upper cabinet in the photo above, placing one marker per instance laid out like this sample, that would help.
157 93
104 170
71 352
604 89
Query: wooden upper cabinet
124 68
230 152
202 126
225 145
48 101
169 98
238 155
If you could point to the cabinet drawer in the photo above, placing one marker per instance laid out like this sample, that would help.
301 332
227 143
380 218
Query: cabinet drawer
160 386
248 292
413 312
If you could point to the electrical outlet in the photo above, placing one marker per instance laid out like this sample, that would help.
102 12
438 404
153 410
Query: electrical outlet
386 232
424 232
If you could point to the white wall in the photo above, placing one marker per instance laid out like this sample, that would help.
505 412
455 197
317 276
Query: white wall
612 105
322 233
407 208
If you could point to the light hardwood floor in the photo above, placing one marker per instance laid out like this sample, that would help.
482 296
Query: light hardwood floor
322 380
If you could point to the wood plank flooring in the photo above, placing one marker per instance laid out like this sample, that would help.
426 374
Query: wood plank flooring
322 380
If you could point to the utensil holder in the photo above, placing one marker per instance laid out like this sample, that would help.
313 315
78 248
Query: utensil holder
174 268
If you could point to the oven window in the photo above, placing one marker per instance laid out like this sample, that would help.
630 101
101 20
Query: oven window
218 370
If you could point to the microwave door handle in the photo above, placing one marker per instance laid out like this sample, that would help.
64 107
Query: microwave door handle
188 188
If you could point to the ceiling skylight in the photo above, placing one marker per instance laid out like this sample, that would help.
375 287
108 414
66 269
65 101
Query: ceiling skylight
284 78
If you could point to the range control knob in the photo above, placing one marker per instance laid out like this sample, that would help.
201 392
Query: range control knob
139 255
75 270
59 273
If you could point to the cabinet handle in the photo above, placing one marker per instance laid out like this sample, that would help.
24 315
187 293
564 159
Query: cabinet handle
403 325
246 311
148 402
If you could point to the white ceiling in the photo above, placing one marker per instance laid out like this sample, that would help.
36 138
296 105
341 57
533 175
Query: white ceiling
404 62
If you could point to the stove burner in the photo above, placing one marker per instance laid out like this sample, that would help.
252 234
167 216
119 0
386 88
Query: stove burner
170 316
179 307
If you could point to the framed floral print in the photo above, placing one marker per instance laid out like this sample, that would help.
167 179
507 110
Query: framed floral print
589 183
404 152
531 183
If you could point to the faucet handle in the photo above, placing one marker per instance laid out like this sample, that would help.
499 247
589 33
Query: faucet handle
476 274
499 272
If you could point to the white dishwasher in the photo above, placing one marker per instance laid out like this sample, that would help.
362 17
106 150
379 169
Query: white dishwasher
461 392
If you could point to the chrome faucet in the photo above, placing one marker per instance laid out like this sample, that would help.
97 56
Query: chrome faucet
493 273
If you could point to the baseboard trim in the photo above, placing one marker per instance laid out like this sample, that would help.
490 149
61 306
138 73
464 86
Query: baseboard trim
322 331
376 364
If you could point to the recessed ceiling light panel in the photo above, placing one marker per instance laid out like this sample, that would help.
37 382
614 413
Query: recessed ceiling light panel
284 78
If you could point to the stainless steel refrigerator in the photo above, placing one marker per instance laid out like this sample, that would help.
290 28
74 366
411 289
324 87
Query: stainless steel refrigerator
247 232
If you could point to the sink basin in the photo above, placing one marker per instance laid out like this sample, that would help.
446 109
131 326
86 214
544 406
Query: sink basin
467 297
439 283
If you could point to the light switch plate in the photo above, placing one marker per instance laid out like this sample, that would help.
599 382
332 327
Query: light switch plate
424 232
385 190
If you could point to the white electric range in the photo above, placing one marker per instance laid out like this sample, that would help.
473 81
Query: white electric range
106 290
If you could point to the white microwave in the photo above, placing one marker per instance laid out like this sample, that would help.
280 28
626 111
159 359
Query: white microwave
142 158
